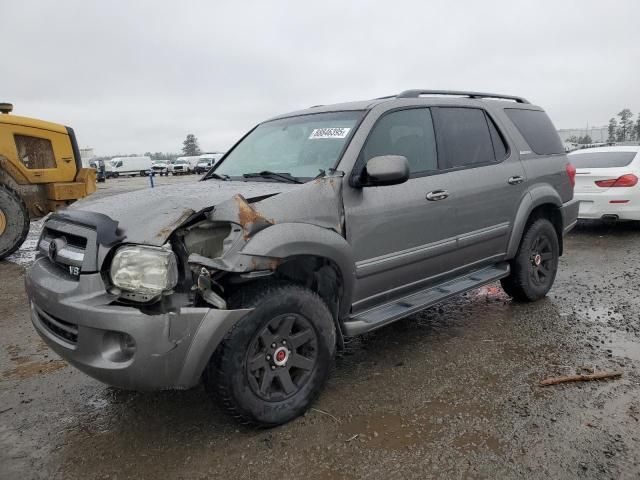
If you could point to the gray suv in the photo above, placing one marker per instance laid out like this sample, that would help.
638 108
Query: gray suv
318 224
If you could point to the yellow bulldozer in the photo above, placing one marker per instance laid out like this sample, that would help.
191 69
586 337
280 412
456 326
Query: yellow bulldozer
40 172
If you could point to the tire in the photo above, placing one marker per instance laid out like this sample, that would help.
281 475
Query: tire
15 219
250 377
534 268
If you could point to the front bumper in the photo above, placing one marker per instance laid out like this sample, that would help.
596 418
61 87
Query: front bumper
79 321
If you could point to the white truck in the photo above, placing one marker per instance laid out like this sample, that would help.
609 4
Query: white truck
192 161
131 166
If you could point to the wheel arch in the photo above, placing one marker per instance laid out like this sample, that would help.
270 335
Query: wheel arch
305 248
542 202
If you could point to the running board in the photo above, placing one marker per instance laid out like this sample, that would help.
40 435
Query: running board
390 312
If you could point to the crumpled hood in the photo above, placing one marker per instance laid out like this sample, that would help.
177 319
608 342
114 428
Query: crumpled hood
150 215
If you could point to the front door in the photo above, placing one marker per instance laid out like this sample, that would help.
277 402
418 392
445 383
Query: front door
399 237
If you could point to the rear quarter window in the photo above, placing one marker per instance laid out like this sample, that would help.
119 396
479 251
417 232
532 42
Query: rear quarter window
602 159
537 129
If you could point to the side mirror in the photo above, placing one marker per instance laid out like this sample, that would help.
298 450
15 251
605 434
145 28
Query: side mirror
385 170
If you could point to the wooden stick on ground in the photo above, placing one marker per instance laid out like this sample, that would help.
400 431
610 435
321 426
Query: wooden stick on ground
579 378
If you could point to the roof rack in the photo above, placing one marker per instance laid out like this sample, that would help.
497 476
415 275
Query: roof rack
417 93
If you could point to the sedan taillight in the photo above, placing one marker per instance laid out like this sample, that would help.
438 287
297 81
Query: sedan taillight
628 180
571 171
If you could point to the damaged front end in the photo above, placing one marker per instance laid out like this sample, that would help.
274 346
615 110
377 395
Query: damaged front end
142 298
215 243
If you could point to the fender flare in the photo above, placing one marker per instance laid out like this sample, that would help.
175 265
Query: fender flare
293 239
538 195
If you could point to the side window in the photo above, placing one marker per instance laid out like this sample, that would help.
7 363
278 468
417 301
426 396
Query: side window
499 145
463 137
408 133
537 129
34 152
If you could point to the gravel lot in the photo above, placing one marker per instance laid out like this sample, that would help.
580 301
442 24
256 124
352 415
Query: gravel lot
449 393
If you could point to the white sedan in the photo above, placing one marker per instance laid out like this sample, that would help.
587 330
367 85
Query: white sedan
607 182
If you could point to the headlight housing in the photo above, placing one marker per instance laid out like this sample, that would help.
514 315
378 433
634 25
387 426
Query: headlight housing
144 273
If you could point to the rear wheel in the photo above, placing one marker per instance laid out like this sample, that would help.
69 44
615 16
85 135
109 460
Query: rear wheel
14 221
274 362
534 268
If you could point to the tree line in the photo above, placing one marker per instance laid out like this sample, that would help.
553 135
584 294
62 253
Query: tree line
190 148
624 129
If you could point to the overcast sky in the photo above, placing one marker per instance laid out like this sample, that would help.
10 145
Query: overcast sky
138 76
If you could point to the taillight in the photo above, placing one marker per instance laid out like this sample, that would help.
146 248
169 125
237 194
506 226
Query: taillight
628 180
571 171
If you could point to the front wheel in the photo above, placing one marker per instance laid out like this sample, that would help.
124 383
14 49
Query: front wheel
274 362
14 221
534 268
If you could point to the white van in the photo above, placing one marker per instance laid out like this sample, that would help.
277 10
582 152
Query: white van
131 166
207 160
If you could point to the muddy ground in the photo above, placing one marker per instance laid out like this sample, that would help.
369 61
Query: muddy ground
449 393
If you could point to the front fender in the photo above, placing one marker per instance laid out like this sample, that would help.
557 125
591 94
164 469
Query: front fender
538 195
293 239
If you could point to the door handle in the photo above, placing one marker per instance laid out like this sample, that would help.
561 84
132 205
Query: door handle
437 195
515 180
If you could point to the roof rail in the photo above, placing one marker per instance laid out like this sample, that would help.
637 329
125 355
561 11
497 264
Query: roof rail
417 93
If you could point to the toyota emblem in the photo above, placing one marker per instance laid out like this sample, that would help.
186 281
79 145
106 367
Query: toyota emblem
55 246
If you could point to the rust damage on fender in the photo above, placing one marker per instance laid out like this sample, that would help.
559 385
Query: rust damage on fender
249 218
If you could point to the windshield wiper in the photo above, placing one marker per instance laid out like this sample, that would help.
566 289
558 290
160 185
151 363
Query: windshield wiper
216 176
268 174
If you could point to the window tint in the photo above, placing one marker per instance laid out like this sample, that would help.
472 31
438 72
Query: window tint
602 159
537 130
408 133
463 137
499 146
35 152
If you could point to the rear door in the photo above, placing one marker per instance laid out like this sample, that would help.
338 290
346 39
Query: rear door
487 182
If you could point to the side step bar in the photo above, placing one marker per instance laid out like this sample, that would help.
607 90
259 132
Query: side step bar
390 312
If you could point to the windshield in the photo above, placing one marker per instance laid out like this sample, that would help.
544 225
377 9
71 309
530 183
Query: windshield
300 146
602 159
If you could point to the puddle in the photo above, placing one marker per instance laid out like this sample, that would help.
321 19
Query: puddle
388 431
622 346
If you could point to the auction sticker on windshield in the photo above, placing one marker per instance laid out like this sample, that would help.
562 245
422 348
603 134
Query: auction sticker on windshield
337 132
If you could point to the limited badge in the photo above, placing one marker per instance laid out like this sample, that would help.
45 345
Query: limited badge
335 132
